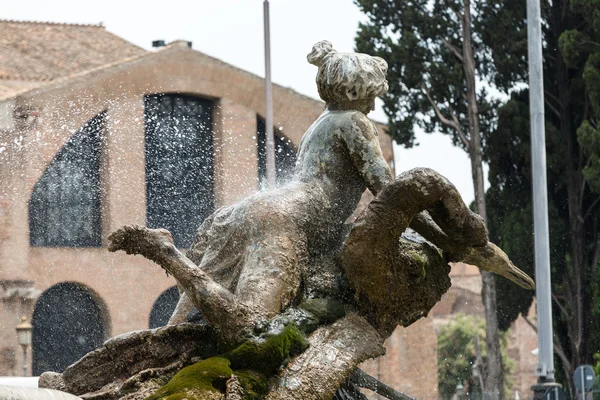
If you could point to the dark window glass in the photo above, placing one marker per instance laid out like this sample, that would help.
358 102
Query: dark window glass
285 154
64 209
163 307
67 324
179 164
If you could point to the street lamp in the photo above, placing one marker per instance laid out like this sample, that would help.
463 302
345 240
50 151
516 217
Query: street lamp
24 336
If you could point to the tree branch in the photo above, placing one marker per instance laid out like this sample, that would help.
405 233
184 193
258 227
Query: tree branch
591 207
596 255
561 353
531 324
591 42
580 174
557 346
451 123
552 97
364 380
458 14
560 306
453 49
551 107
462 135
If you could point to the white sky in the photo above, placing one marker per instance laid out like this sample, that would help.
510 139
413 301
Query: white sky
232 30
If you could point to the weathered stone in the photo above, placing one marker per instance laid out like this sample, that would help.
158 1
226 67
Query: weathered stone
128 354
334 351
51 380
398 282
252 263
234 390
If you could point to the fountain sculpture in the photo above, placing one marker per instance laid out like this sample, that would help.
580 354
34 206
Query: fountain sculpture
292 297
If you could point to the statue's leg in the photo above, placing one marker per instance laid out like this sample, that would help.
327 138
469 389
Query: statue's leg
271 277
218 305
182 309
335 351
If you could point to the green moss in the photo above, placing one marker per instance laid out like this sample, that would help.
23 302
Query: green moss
268 355
254 384
196 381
417 263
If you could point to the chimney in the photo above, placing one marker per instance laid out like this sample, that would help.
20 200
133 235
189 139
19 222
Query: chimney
180 43
158 43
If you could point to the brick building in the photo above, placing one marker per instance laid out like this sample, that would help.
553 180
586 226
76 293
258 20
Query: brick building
86 118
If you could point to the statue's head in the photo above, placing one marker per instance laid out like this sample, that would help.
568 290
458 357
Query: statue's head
347 77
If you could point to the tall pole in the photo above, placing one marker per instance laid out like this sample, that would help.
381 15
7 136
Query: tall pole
545 368
270 150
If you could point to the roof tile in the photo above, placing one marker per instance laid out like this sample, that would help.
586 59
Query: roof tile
43 51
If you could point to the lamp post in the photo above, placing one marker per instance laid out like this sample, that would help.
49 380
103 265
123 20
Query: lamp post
24 336
545 367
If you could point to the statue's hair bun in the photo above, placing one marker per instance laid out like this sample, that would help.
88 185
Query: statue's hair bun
319 52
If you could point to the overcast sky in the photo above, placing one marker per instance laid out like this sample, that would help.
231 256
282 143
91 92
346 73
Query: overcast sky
232 30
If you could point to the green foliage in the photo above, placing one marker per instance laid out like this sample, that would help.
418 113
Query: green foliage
589 139
596 367
457 355
591 78
570 47
500 26
510 212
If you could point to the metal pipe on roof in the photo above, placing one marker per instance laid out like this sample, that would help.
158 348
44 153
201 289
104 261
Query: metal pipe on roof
270 151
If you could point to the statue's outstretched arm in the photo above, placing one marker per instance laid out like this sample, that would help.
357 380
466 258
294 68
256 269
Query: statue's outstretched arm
363 145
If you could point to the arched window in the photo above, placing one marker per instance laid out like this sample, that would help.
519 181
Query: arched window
285 153
179 164
163 307
68 322
64 209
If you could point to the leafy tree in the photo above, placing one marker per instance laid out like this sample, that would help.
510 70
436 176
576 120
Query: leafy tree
572 96
509 199
458 354
435 59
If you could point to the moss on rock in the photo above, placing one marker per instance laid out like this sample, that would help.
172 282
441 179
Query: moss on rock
254 384
267 355
204 380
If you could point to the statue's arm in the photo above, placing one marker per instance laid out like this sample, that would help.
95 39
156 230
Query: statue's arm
363 145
